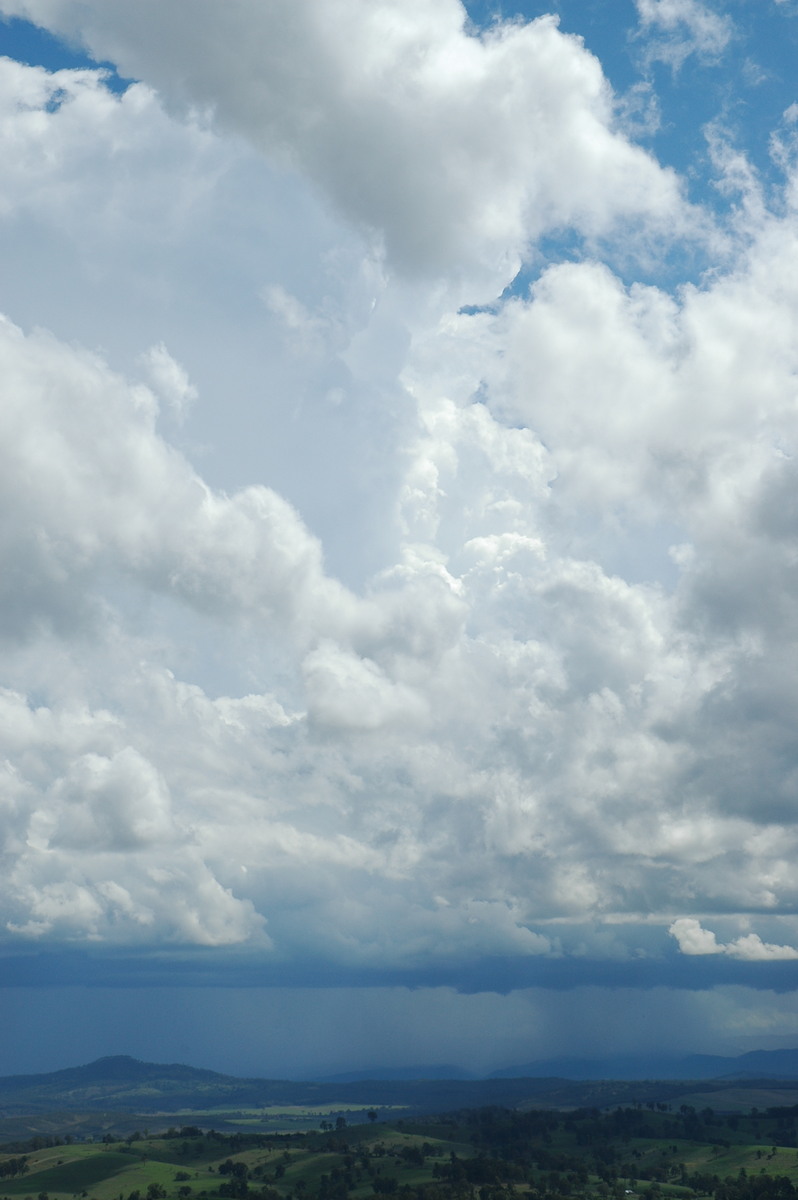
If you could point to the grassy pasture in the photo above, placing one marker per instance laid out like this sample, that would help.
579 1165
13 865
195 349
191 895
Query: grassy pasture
70 1177
105 1186
271 1118
752 1158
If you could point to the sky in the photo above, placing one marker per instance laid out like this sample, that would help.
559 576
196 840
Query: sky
398 418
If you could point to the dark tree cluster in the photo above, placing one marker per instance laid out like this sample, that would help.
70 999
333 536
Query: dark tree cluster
12 1167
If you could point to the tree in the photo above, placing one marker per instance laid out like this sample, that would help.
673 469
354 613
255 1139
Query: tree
236 1188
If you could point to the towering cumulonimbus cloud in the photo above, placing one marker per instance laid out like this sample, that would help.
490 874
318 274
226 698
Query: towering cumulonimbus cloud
552 718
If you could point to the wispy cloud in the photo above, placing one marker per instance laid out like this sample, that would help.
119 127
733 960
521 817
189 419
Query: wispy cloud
676 29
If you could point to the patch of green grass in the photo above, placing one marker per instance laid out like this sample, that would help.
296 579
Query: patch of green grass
70 1177
724 1161
310 1169
108 1174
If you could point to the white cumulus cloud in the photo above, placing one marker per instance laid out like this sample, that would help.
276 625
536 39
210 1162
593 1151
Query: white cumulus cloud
694 939
457 149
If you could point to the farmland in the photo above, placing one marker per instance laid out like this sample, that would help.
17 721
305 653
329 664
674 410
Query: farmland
649 1151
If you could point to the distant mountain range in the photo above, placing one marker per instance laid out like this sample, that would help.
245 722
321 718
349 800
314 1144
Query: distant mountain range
757 1064
439 1071
120 1087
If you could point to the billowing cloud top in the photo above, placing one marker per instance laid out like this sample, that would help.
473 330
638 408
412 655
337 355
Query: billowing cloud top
455 150
360 606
